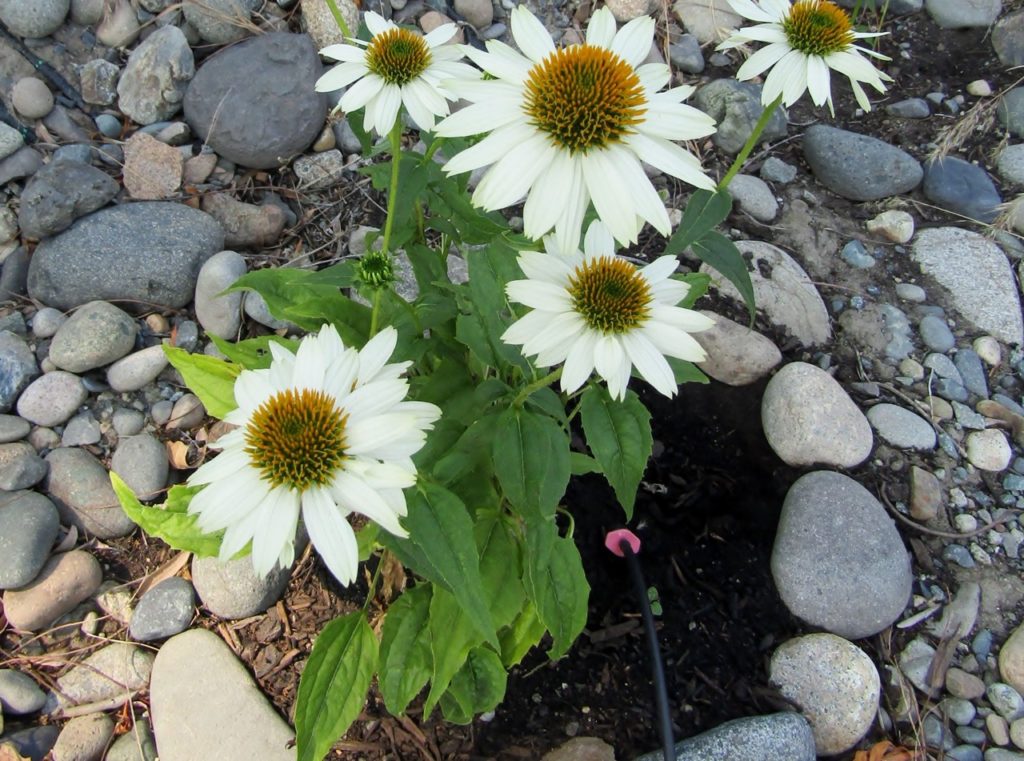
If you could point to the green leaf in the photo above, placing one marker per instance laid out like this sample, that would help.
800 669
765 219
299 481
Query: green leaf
721 253
467 454
619 435
582 464
172 522
405 658
560 592
704 211
334 684
366 538
531 460
524 633
686 372
500 568
478 687
211 379
698 282
452 636
441 548
253 353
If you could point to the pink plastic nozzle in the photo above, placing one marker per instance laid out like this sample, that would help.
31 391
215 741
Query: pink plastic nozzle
613 541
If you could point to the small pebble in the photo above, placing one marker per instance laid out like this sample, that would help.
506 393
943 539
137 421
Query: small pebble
979 88
31 98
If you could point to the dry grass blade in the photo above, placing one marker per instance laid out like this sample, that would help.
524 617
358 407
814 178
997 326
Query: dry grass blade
978 118
166 571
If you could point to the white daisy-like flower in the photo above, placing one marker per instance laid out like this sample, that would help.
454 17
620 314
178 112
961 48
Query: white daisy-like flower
569 126
595 310
325 431
806 40
397 67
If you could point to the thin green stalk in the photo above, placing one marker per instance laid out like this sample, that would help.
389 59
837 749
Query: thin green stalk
339 19
537 385
396 158
375 311
748 146
371 593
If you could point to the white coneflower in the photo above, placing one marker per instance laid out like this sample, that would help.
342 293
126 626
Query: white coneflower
594 310
397 67
324 431
569 126
806 40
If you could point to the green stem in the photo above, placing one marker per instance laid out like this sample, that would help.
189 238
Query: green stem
537 385
371 593
748 146
396 158
339 19
375 312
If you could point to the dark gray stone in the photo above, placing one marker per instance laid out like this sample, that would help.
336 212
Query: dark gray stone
20 466
972 371
19 693
1010 113
911 108
80 487
264 118
165 610
685 54
34 743
14 275
961 187
1008 39
60 193
838 560
24 162
950 389
155 78
28 527
936 333
736 106
775 737
147 252
859 167
18 368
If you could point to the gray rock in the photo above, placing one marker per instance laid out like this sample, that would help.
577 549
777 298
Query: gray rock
838 560
156 76
24 162
20 466
34 743
835 684
972 371
19 693
753 196
321 170
18 368
961 187
52 399
943 367
936 333
141 461
977 277
911 108
14 275
856 255
80 487
81 430
737 355
808 418
28 527
31 98
10 140
220 313
136 745
1006 701
109 672
988 450
84 738
231 113
47 321
61 192
478 13
1010 112
247 225
736 106
219 21
128 422
13 428
97 334
774 737
964 753
782 290
202 696
1010 163
65 581
163 611
147 252
39 18
685 54
960 14
255 306
232 589
776 170
137 370
1008 39
99 79
1001 754
859 167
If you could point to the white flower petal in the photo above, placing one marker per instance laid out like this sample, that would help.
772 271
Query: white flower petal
538 295
224 465
530 35
633 41
279 514
376 353
359 94
544 267
376 23
601 28
512 175
762 60
608 359
349 53
352 493
598 241
579 363
341 76
440 35
660 269
331 534
670 158
650 363
488 150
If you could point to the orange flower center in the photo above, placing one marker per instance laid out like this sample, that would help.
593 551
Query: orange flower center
817 27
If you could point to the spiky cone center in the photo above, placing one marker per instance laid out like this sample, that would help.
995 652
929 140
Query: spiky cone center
610 295
584 97
296 438
397 56
817 27
376 270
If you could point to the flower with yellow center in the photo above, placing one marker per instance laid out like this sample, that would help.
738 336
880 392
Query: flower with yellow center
397 67
567 127
595 311
324 432
806 40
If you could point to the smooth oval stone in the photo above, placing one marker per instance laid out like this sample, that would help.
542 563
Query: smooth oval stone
52 399
961 187
28 527
97 334
859 167
163 611
19 693
65 581
80 487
